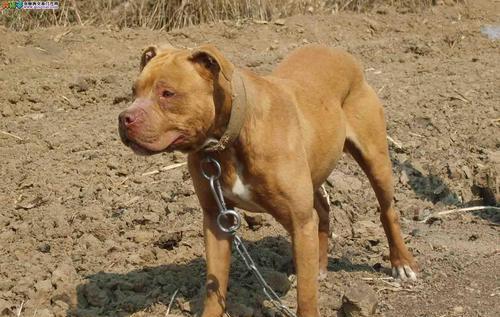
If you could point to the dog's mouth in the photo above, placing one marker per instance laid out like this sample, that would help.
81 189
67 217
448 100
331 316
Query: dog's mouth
145 149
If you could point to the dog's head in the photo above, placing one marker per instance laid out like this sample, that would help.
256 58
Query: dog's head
179 96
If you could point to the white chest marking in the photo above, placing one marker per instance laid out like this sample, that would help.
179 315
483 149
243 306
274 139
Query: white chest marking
240 193
241 190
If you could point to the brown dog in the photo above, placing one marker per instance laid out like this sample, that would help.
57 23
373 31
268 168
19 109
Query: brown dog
279 137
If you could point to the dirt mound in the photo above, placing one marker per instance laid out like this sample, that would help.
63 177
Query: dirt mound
89 229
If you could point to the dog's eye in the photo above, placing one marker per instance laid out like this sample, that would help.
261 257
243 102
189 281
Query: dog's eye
167 93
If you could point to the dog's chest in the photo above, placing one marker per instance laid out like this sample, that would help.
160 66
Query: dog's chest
240 193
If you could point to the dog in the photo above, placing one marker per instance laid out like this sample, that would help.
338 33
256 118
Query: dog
277 138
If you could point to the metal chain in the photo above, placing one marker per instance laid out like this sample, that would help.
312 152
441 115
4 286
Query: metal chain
224 224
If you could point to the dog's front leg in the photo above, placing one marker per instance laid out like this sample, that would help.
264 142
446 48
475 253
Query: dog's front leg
217 245
218 256
306 258
301 221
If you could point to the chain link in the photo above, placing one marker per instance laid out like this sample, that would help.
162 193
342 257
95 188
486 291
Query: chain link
224 223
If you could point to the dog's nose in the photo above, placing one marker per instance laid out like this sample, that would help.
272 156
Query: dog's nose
127 118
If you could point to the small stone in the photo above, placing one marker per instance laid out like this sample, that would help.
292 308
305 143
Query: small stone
278 281
6 308
404 179
416 233
109 79
280 22
151 217
240 310
156 208
7 111
254 221
95 296
169 241
184 305
44 313
467 172
43 287
64 278
343 182
141 236
473 237
359 301
90 241
458 309
120 99
112 163
44 248
79 85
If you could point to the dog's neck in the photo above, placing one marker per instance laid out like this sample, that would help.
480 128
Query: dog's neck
232 114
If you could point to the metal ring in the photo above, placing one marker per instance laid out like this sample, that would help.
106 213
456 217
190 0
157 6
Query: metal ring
225 214
208 160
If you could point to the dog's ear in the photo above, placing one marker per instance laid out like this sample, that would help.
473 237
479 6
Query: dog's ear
213 61
148 54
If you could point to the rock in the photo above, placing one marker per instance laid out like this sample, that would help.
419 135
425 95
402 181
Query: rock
280 22
278 281
156 208
6 308
343 182
458 310
113 163
254 221
90 241
81 84
454 171
109 79
359 301
7 111
368 230
44 248
240 310
43 287
64 278
151 217
467 172
95 295
120 99
485 184
404 179
169 241
141 236
44 312
184 305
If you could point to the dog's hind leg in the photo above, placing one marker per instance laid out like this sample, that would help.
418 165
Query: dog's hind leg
367 143
323 209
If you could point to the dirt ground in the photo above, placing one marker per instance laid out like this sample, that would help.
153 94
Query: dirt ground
83 232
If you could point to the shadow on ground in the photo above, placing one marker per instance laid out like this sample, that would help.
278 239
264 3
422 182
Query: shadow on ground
113 294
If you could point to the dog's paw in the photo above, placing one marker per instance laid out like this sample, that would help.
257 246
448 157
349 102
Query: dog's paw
404 272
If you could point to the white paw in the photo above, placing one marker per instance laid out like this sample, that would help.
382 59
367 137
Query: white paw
404 273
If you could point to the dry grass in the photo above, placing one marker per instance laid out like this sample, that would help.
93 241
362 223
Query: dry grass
170 14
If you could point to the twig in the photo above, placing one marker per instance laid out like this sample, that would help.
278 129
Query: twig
163 169
452 211
397 144
377 278
77 13
11 135
416 134
462 96
18 313
380 90
171 302
327 197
